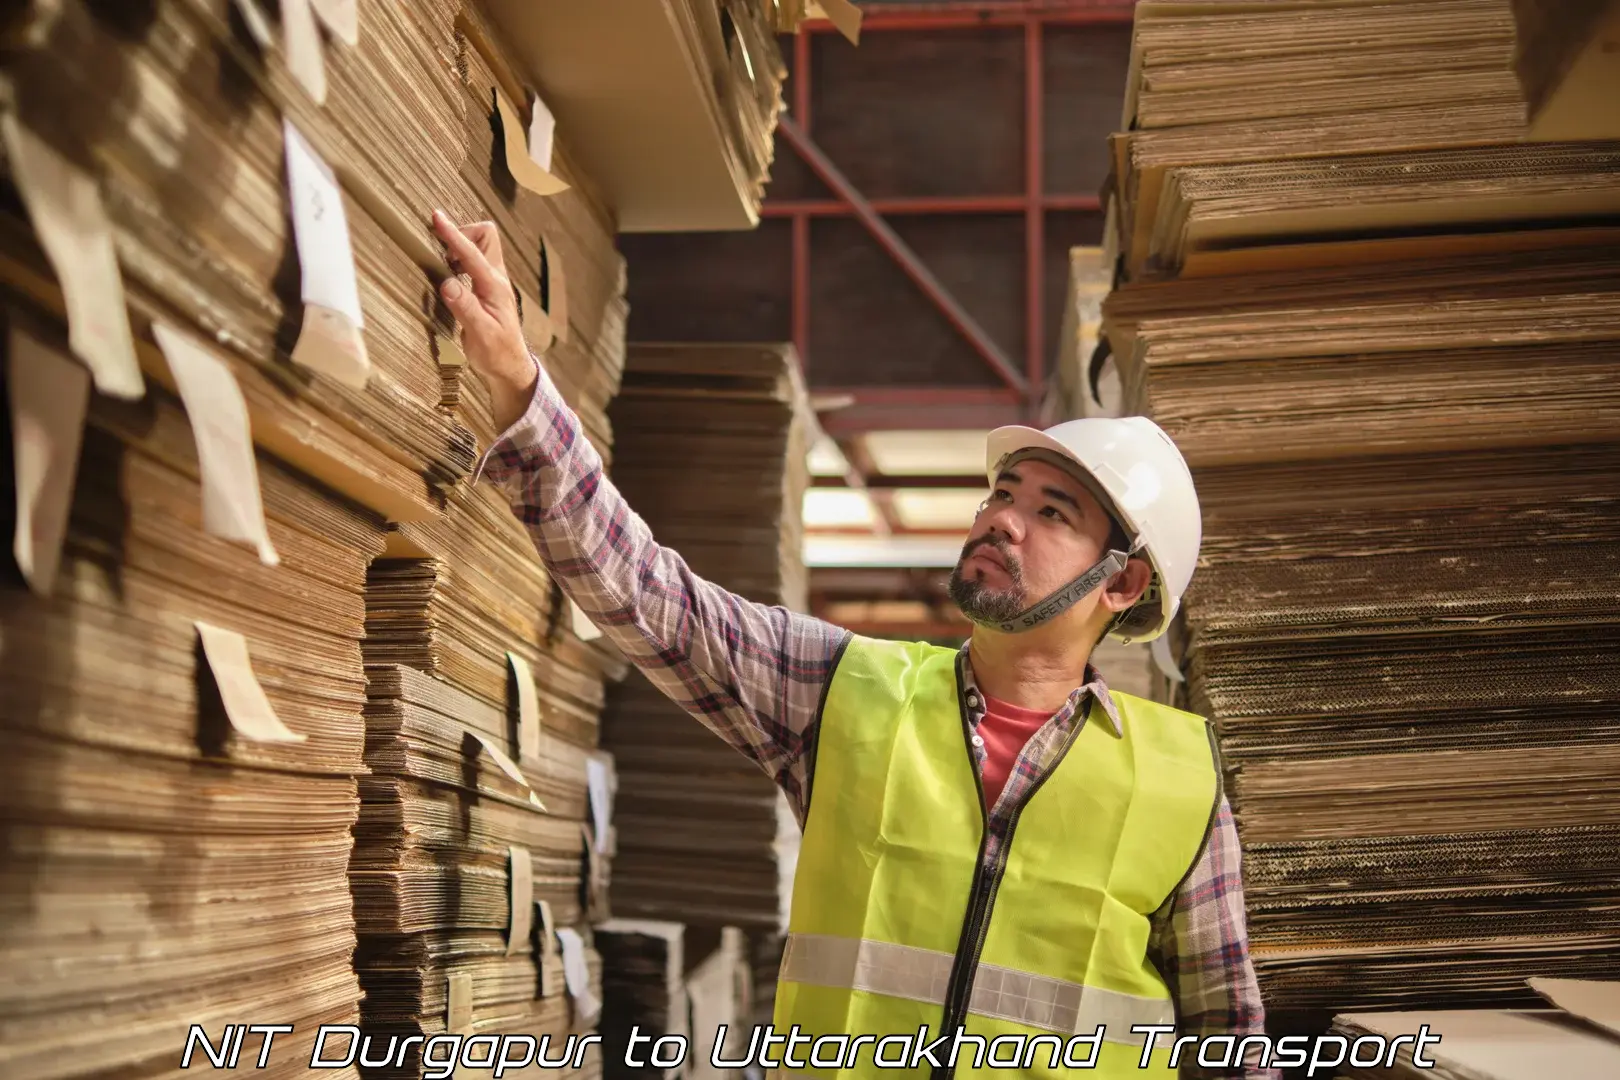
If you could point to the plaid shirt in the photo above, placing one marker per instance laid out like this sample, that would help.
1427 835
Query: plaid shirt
753 674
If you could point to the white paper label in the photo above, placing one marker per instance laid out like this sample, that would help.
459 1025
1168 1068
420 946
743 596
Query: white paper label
71 222
577 975
528 707
257 23
305 59
542 129
330 340
342 17
520 896
50 394
232 505
598 781
246 705
583 628
458 1003
507 766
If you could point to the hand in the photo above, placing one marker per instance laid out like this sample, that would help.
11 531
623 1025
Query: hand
491 330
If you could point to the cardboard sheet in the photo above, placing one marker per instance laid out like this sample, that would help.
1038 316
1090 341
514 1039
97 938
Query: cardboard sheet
518 155
527 707
65 206
581 624
257 22
330 340
588 1007
342 17
554 288
247 707
520 871
458 1013
1595 1002
1485 1045
232 506
301 38
845 16
49 394
542 131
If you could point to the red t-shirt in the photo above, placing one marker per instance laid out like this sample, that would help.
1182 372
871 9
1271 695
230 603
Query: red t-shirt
1005 729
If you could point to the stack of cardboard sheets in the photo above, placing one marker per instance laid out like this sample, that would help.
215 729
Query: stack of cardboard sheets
213 785
669 979
1380 330
712 453
643 993
1330 121
184 731
484 830
1573 1034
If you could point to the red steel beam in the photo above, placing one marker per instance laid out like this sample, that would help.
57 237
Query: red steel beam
932 204
801 221
902 254
1034 221
892 394
968 16
920 416
894 482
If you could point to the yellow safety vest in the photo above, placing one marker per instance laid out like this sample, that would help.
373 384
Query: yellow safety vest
902 933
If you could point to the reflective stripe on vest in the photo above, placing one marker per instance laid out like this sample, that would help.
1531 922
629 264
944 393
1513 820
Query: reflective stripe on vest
902 921
903 971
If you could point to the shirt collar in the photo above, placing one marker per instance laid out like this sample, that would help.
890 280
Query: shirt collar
1094 687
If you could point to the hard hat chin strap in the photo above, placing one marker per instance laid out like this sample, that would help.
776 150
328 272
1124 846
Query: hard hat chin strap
1062 599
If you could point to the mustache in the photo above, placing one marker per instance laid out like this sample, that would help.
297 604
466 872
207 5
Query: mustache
1001 547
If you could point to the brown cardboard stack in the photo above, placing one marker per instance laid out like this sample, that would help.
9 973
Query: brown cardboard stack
484 833
643 993
1576 1038
183 724
1380 331
669 979
212 785
711 453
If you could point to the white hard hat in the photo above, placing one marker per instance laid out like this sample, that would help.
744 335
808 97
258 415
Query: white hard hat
1145 483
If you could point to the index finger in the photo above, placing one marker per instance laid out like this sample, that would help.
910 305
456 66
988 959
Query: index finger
485 282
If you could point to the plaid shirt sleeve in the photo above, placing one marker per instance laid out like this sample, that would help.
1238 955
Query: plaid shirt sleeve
1201 947
751 673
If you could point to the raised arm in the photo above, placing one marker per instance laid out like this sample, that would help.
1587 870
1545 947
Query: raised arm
752 673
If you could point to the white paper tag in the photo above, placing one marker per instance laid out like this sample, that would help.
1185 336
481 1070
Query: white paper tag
599 783
507 766
330 340
232 505
342 17
305 58
246 706
583 628
458 1010
520 895
257 23
50 394
528 707
64 204
577 975
542 130
515 151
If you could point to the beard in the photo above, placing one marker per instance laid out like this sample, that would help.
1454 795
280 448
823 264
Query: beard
979 602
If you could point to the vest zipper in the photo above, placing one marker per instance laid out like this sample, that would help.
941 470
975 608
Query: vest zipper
986 882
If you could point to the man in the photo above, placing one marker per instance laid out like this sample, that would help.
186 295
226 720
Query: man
994 844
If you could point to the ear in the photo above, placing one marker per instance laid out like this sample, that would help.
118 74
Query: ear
1126 587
